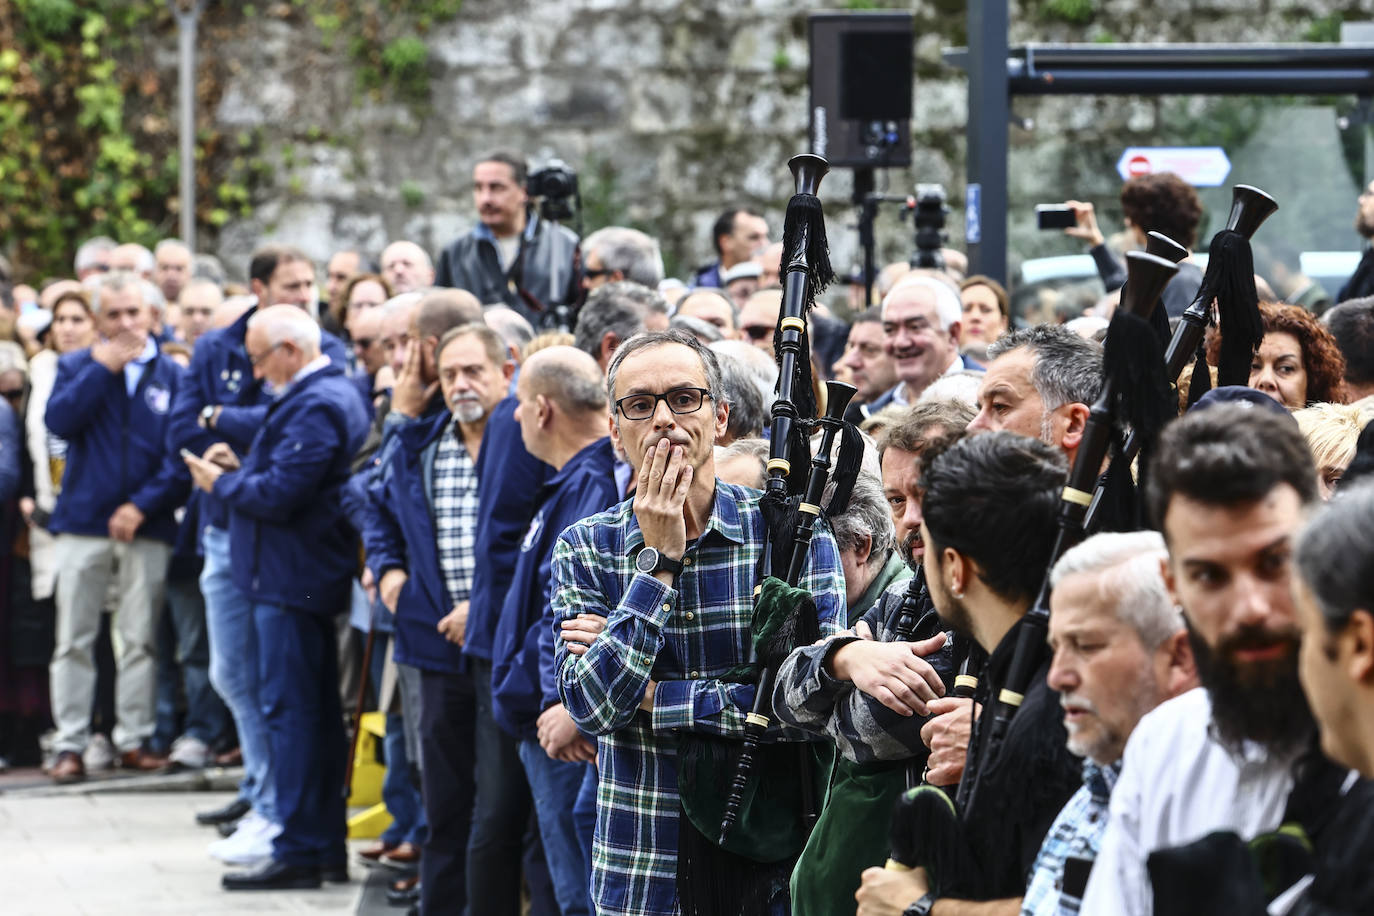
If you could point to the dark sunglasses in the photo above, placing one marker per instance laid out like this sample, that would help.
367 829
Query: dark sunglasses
758 331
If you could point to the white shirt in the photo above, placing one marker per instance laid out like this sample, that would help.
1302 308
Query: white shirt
133 369
1178 784
899 395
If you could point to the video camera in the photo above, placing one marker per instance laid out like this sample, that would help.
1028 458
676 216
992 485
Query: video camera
556 186
929 209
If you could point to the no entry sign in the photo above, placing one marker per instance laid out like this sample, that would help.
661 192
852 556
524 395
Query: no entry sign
1200 166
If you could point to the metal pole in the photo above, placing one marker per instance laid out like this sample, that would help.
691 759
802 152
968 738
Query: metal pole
187 13
988 113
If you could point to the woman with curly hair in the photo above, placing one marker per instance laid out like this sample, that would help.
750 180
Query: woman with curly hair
1298 362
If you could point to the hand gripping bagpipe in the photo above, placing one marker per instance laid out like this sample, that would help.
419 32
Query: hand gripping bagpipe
771 805
1230 282
927 830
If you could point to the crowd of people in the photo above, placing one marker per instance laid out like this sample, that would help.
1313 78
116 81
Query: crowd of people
533 544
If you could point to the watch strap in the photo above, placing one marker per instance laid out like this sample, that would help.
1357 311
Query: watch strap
668 564
921 907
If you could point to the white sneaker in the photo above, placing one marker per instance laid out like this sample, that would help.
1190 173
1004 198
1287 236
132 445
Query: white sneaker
249 844
99 753
191 753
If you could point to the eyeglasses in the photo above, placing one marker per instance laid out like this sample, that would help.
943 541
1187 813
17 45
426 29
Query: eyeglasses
757 331
593 274
257 360
679 401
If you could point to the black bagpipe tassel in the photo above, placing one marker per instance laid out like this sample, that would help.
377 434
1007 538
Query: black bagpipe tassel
1230 280
1201 382
805 224
1133 362
926 833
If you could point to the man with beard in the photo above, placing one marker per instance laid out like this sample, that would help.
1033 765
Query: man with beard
1041 382
871 696
1228 487
1361 283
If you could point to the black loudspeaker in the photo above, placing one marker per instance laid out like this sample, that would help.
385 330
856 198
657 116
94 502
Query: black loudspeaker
861 88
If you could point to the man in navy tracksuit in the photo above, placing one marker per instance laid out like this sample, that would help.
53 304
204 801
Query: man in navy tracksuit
222 406
294 557
563 421
111 404
422 548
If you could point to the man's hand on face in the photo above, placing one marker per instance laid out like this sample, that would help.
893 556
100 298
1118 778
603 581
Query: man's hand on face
125 521
117 352
947 736
888 893
410 395
893 673
664 479
454 625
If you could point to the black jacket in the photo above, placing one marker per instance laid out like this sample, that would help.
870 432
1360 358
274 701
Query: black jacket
473 263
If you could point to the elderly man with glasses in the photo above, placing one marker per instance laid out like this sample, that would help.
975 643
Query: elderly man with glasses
659 591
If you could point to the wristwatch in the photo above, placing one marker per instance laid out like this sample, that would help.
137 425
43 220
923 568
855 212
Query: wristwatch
650 561
921 907
207 414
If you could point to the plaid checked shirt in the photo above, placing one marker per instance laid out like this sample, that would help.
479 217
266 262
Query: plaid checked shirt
683 638
455 513
1075 834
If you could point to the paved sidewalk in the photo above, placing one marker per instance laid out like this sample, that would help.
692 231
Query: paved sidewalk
138 853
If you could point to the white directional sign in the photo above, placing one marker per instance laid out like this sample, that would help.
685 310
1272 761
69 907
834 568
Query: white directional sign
1200 166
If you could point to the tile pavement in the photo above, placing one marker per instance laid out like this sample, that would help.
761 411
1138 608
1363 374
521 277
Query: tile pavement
116 853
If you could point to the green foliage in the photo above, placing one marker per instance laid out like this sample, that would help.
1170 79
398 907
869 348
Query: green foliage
1077 12
52 18
405 62
782 60
412 194
1327 28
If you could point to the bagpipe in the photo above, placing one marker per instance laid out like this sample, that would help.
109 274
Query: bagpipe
927 827
770 806
1229 283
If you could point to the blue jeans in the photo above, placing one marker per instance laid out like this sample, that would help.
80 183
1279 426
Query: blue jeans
234 669
298 685
555 785
206 717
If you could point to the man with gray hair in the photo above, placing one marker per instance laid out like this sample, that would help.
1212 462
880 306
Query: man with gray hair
1040 382
617 253
613 314
93 257
134 258
748 413
921 319
113 520
294 555
1120 649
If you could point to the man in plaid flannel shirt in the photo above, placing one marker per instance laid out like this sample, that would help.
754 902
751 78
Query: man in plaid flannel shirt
672 573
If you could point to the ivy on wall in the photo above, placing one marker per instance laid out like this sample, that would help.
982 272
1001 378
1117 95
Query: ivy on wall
88 129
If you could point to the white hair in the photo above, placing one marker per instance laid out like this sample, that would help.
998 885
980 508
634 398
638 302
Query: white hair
168 245
113 282
961 387
1135 590
948 307
412 247
283 323
760 365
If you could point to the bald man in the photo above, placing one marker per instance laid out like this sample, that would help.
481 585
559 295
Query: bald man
564 422
407 267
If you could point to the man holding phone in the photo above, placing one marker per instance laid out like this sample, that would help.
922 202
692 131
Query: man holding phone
1162 202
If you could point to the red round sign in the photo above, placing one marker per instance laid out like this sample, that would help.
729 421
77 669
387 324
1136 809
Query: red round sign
1138 166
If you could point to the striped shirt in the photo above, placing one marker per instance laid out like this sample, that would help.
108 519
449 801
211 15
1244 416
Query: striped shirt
683 638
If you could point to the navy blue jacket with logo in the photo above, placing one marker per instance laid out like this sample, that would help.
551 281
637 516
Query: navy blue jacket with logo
400 534
116 446
289 539
222 375
523 680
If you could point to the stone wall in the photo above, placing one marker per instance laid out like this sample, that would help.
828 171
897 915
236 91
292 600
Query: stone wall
668 110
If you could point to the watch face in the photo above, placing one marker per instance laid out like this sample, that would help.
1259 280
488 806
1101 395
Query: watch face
647 560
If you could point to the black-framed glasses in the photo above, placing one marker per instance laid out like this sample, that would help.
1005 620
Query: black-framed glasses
593 274
257 360
679 401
